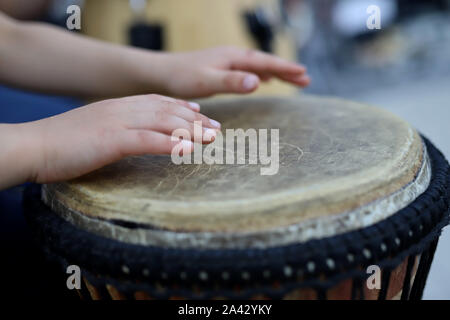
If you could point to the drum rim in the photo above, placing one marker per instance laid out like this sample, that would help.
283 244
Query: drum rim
137 233
412 230
197 217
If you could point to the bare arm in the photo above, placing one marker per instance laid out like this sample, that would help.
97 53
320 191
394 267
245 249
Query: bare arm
18 150
76 142
42 58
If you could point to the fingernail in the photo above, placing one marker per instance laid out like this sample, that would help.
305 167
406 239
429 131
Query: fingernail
301 68
194 105
214 123
306 79
250 82
209 135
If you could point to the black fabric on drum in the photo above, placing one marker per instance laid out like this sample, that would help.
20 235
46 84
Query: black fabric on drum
103 260
384 284
407 280
422 272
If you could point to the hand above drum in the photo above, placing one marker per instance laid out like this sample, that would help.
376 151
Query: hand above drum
43 58
226 70
79 141
39 57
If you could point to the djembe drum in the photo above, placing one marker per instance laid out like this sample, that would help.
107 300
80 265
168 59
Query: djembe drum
356 187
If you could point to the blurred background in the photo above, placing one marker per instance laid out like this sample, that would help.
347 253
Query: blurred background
403 67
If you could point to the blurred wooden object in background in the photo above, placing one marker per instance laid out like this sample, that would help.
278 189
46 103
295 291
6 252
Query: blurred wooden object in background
188 25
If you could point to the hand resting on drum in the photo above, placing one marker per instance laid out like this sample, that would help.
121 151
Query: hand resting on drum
39 57
84 139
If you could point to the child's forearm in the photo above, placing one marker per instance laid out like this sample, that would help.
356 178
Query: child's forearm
43 58
18 155
39 57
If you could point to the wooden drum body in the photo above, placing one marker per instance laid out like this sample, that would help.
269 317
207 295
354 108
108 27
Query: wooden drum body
356 187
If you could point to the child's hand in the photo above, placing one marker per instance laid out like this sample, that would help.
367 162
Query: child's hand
84 139
42 58
226 69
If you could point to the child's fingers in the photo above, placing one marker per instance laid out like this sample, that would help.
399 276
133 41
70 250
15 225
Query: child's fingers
223 81
191 116
195 131
143 114
188 104
265 76
260 62
168 123
139 142
300 80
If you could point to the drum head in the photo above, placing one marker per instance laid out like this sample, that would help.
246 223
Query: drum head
342 166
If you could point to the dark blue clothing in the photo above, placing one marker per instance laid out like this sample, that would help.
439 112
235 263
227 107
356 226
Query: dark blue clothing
23 274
